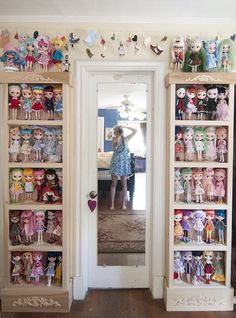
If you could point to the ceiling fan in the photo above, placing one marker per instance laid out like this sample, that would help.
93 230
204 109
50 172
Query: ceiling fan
128 110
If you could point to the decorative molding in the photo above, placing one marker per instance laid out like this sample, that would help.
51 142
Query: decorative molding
36 301
199 301
36 78
203 78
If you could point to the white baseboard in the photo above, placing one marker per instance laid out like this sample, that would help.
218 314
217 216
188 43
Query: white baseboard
157 287
79 288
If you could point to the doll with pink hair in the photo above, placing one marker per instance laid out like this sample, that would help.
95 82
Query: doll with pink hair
39 177
191 106
27 225
58 229
221 134
37 269
220 178
208 177
209 225
39 217
43 46
210 151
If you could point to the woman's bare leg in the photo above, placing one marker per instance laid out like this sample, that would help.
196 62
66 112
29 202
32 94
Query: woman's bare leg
113 191
124 192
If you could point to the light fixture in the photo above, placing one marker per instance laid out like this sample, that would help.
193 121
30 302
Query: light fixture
129 111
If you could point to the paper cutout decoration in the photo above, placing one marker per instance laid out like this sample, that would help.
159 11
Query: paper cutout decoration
91 38
121 49
90 54
156 49
113 37
72 39
103 42
92 205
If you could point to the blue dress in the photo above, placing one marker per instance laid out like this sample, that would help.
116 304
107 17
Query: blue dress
120 161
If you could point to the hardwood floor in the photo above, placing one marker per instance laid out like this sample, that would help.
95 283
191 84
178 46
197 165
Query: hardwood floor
133 303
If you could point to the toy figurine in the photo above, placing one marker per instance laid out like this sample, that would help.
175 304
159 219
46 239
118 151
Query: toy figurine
51 224
17 267
220 225
73 40
186 225
178 267
179 145
211 48
50 191
49 101
59 148
212 93
209 187
58 229
58 44
222 108
66 63
221 149
60 180
37 105
31 53
26 148
220 176
200 141
201 102
209 224
191 106
218 275
49 147
39 217
178 230
37 269
39 177
50 269
42 44
14 102
198 186
188 143
58 270
14 148
181 101
16 187
210 151
195 57
27 226
10 59
187 181
188 266
198 217
178 52
26 101
208 266
38 142
198 269
226 56
178 187
57 91
27 260
15 229
28 181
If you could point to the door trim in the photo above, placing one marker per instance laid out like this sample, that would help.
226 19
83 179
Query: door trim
157 228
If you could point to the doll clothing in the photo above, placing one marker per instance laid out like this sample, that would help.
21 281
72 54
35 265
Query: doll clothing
221 146
17 269
199 189
178 266
185 225
220 225
37 105
209 225
191 108
15 230
199 146
27 105
188 267
211 105
210 151
58 106
38 145
189 150
178 230
26 148
57 56
209 269
219 189
179 147
49 104
198 226
27 268
29 187
198 268
58 271
120 161
30 58
222 110
210 188
219 272
37 270
50 271
14 103
49 147
178 188
212 61
28 230
14 147
39 227
44 59
58 230
16 188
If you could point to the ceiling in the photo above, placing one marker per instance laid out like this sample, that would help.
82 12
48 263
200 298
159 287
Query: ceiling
115 10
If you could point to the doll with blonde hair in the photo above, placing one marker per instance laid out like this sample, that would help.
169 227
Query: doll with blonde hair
16 187
57 91
14 148
58 43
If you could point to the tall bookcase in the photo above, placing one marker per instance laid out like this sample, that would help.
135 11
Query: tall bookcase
22 292
185 289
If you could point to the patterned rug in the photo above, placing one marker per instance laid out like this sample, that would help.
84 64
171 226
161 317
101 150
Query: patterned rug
121 232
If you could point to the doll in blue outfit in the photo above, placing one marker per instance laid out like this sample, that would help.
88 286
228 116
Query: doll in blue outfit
49 147
120 162
58 44
57 91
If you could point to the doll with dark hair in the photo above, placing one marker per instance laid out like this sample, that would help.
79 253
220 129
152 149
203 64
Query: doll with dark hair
212 94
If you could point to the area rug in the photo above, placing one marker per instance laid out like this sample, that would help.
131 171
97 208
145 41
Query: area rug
121 232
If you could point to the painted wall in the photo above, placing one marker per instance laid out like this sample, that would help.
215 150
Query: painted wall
110 120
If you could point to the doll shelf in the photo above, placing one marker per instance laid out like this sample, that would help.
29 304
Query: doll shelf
37 203
199 208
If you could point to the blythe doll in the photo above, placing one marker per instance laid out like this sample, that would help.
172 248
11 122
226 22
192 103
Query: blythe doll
51 224
50 268
188 143
198 186
16 186
208 266
198 269
27 226
222 108
178 190
211 48
198 217
42 44
57 91
37 269
178 230
14 101
58 270
39 219
226 57
186 224
209 224
220 225
39 177
218 275
26 101
49 101
27 260
180 102
50 191
14 148
201 102
37 105
59 148
58 229
178 52
187 182
49 147
220 176
178 267
58 44
28 182
195 57
221 145
31 53
38 136
208 177
210 151
10 60
179 145
60 180
26 147
15 229
212 94
200 141
17 267
191 105
188 266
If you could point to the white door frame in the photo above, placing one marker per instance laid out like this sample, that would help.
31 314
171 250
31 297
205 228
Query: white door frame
80 219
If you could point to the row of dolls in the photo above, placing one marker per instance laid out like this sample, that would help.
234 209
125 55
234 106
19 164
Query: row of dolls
186 221
207 183
24 224
196 267
196 55
35 98
207 143
210 102
35 143
36 184
28 267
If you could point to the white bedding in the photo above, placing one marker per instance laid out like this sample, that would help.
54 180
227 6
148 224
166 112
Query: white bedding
104 175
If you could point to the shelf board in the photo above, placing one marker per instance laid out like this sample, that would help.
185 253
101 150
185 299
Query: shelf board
200 206
36 77
35 164
202 284
31 287
34 206
201 164
45 247
194 246
35 122
201 123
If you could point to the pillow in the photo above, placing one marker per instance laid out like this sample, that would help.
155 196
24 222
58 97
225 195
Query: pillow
104 159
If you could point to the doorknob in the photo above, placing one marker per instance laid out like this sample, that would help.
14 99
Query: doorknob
93 194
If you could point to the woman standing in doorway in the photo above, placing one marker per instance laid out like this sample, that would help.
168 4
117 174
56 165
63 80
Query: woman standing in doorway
120 162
